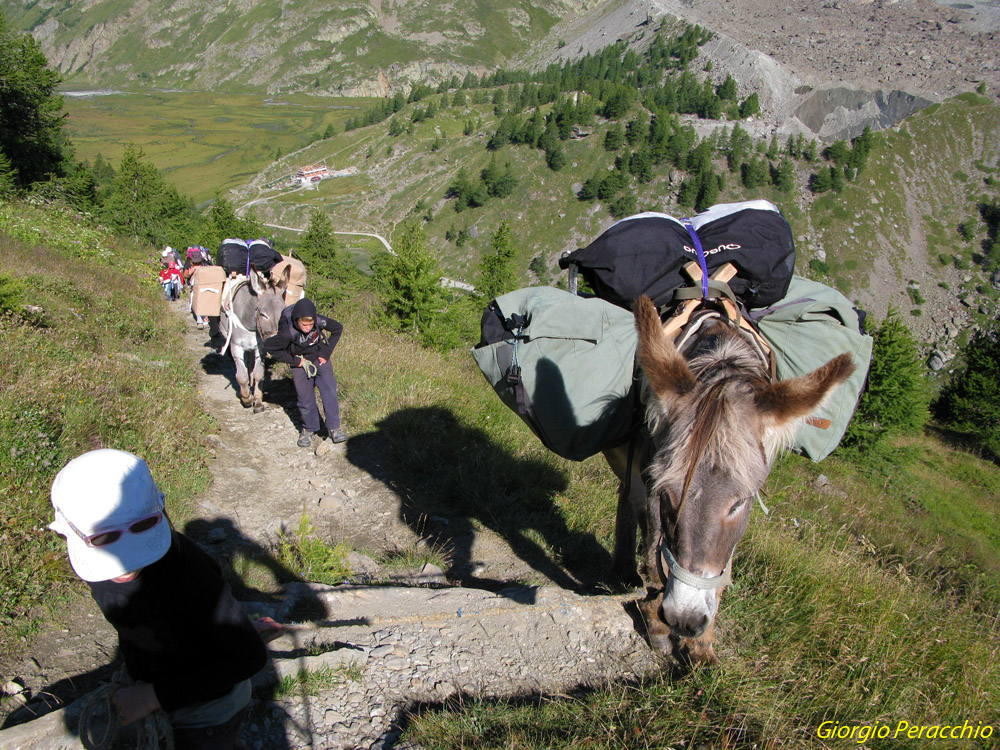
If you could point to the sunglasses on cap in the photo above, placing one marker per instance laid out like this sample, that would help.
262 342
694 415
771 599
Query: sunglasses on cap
110 536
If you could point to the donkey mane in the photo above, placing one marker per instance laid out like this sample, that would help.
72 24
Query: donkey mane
709 424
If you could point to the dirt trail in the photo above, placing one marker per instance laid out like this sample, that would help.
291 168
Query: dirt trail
385 649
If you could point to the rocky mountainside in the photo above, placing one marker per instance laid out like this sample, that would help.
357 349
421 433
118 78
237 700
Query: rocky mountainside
825 68
351 49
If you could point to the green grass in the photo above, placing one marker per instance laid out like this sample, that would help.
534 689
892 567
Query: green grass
203 142
310 557
313 682
83 371
872 600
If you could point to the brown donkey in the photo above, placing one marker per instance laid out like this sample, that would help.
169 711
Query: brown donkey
714 424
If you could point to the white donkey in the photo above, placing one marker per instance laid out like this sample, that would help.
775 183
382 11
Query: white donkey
250 311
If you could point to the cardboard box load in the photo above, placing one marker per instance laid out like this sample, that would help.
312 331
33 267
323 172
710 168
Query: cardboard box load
296 280
206 294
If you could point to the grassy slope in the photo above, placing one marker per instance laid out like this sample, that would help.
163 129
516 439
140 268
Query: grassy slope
871 600
204 143
87 371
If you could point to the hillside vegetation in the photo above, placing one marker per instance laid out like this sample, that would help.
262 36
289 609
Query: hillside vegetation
281 47
869 597
91 359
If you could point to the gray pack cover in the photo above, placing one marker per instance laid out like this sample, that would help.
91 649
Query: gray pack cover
809 327
576 358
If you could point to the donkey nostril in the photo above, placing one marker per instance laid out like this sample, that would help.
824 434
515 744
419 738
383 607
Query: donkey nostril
686 626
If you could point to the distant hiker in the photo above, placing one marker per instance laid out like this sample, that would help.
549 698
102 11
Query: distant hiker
301 343
187 643
171 280
194 263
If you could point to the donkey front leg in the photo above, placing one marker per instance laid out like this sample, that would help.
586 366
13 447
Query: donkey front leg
242 376
629 515
657 631
256 382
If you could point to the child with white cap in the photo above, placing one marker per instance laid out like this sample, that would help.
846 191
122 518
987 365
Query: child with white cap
188 645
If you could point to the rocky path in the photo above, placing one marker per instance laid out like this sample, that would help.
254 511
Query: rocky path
373 652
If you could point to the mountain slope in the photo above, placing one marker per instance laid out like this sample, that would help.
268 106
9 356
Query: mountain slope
356 48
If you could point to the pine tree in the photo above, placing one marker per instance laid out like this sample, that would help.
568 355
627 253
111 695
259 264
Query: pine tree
688 194
135 205
31 119
820 182
496 271
727 89
8 177
750 106
319 239
897 397
773 149
555 158
785 175
971 401
614 139
409 282
837 179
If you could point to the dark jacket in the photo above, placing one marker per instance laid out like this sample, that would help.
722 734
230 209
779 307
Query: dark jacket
290 343
180 628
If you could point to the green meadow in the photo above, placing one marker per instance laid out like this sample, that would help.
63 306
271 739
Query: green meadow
204 143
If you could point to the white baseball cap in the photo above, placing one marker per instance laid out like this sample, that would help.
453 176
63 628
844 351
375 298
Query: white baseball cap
111 512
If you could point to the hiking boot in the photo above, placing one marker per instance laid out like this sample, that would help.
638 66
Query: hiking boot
305 439
338 435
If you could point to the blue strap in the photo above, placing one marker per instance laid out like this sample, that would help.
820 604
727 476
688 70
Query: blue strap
701 256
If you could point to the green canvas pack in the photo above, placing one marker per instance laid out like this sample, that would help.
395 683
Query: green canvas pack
812 324
564 364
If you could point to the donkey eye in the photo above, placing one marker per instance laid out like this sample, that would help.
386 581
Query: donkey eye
737 507
264 315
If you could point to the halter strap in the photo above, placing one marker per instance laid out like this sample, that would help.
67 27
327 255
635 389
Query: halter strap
684 575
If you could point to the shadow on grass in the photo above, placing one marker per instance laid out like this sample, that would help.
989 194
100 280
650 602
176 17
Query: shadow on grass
963 441
628 714
452 478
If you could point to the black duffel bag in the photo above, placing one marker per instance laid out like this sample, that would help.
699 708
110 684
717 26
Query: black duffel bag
263 256
233 256
644 254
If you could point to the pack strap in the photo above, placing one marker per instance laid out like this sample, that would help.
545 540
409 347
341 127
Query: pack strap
516 324
701 256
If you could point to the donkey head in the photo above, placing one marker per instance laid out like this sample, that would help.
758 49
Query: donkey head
717 423
270 299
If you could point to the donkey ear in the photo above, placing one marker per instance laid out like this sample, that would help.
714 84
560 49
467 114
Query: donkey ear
799 397
256 281
282 282
666 369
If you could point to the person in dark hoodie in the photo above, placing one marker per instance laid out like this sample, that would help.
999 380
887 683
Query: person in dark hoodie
187 644
300 343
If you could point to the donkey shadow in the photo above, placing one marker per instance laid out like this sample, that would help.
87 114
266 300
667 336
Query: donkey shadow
452 477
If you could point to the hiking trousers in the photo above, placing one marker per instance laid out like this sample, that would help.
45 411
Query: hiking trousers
305 391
